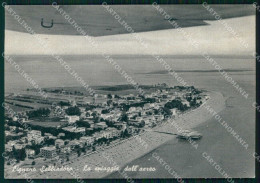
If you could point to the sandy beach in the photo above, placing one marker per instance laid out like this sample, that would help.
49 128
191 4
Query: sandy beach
133 148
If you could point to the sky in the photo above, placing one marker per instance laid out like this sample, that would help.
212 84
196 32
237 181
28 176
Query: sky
214 39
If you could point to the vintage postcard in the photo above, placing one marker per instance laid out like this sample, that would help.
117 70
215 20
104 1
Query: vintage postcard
130 91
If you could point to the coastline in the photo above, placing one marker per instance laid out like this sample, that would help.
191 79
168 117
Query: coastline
132 149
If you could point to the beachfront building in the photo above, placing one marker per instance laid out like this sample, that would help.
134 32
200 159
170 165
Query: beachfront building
111 132
48 152
158 117
136 123
88 140
131 129
174 111
120 126
74 143
65 152
186 103
102 134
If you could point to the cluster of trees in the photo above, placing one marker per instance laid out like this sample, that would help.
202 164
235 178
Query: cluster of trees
36 147
109 96
194 103
176 104
150 100
127 106
83 124
18 154
90 107
73 111
62 103
41 112
78 93
124 117
105 111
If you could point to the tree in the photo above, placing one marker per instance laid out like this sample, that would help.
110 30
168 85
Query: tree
87 114
22 154
83 149
66 142
16 130
105 111
141 124
33 163
124 117
41 112
93 148
73 111
83 124
94 114
193 103
90 107
62 103
176 103
109 96
79 153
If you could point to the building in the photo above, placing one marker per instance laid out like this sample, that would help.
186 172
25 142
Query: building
34 133
112 132
37 140
132 130
174 111
186 103
47 134
120 126
61 135
72 119
74 143
89 130
80 130
158 117
73 129
48 152
101 125
59 143
8 148
65 152
30 153
88 140
103 134
136 123
35 136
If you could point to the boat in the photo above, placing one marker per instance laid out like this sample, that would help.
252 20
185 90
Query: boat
187 134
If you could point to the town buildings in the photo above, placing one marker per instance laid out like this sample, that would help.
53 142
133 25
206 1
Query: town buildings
48 152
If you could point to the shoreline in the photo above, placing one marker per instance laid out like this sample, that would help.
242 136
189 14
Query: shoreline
131 149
